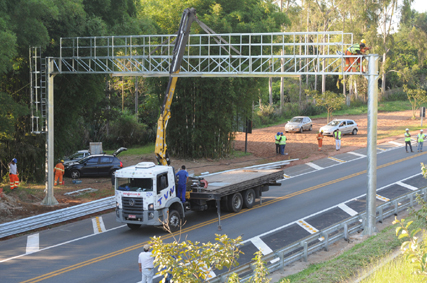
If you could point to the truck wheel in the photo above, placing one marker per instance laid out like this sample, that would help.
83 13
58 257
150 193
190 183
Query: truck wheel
174 220
248 198
134 226
235 202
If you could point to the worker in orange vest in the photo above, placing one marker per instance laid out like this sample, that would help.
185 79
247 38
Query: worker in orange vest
355 49
59 172
13 174
320 139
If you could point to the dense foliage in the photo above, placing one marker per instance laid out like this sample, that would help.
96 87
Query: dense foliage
205 112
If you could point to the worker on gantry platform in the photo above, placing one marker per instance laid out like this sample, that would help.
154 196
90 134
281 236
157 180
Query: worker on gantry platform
355 49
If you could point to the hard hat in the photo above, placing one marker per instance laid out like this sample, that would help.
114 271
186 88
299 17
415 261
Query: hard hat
62 161
278 133
407 129
321 131
421 130
14 160
363 41
281 133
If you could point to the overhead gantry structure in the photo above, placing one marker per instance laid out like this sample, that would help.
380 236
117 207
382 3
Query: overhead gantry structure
205 55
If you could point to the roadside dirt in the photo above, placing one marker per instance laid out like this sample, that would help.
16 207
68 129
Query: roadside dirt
25 201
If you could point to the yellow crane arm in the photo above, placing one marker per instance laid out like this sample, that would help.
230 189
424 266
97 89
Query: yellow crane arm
188 16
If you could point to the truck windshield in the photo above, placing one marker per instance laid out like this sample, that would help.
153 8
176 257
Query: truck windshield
134 184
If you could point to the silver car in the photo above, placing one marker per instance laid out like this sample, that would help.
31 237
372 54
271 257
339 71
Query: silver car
346 126
299 124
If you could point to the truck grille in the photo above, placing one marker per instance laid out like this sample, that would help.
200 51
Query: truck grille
132 206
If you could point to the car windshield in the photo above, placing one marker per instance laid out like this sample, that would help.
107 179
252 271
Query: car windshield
333 123
134 184
84 160
76 155
296 120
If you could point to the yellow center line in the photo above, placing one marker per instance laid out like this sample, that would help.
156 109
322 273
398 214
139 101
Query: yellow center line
98 225
336 159
206 223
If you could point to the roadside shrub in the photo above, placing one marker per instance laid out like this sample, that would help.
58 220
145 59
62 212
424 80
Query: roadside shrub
126 131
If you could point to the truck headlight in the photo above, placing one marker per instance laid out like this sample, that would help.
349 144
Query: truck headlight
150 215
151 206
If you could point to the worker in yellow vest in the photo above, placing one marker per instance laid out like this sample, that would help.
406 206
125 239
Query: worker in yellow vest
337 135
277 142
408 140
420 140
282 144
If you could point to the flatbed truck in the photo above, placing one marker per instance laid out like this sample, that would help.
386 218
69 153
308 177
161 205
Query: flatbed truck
146 193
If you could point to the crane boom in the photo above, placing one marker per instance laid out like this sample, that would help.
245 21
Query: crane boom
188 16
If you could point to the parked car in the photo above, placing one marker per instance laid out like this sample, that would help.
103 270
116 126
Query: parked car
299 124
97 165
76 157
346 126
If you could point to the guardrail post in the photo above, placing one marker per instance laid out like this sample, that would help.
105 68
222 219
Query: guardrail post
381 215
396 204
282 259
346 232
411 200
425 194
305 251
326 240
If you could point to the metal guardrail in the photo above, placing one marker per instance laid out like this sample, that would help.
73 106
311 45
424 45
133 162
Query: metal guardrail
54 217
301 249
61 215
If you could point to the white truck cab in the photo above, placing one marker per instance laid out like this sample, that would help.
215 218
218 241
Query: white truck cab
146 194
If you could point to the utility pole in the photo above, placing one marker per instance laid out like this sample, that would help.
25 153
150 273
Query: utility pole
371 209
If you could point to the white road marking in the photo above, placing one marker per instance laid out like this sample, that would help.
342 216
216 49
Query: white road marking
357 154
33 243
98 225
382 198
312 165
310 229
347 209
407 186
261 245
397 143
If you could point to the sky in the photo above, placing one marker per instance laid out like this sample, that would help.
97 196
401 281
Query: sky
420 6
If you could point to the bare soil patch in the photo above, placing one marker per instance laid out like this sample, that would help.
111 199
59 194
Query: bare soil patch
25 201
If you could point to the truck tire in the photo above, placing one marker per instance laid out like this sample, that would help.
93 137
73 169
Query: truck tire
134 226
235 203
174 220
248 198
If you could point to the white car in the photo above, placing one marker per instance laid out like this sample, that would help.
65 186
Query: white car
346 126
299 124
76 157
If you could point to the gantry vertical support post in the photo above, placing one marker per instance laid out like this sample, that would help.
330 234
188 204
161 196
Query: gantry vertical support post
371 213
49 198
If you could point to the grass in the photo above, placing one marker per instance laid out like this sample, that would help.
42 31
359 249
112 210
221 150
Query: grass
146 149
348 264
397 270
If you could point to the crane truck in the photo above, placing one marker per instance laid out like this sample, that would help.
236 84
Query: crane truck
146 193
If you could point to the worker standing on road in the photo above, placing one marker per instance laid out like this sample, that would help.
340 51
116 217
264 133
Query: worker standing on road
355 49
59 172
146 265
337 135
13 174
408 140
182 183
277 141
282 144
420 139
320 139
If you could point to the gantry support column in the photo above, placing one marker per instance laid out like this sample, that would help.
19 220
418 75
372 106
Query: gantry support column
371 213
49 198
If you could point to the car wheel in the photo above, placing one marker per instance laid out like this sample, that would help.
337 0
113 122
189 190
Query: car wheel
248 198
354 132
301 130
134 226
235 203
75 174
311 128
174 220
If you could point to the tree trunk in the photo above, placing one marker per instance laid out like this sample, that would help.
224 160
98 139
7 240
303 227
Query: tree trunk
136 97
270 90
323 69
356 95
383 76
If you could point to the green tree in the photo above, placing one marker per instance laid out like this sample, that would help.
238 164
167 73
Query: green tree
330 100
416 97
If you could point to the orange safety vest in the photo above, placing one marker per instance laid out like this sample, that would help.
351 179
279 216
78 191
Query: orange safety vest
59 169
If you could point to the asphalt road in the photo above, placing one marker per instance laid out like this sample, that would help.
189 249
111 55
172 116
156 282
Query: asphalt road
101 250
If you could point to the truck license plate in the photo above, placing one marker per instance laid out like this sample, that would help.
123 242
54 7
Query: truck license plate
131 216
